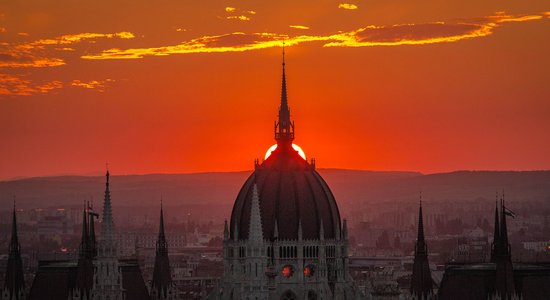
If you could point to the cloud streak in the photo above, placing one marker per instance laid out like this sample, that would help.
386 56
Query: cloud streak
35 54
369 36
348 6
11 85
98 85
234 13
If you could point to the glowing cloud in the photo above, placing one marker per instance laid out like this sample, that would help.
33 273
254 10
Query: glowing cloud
369 36
299 27
32 54
242 18
238 14
17 86
347 6
98 85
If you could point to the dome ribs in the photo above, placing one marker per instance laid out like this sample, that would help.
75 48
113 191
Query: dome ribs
291 192
334 211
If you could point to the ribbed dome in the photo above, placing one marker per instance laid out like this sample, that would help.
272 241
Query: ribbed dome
290 191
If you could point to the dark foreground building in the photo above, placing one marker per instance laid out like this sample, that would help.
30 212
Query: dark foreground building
500 278
14 280
98 273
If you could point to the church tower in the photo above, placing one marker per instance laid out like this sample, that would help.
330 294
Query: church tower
421 280
85 264
504 277
108 276
496 235
14 280
162 287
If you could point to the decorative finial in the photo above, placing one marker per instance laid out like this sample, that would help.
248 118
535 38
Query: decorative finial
283 52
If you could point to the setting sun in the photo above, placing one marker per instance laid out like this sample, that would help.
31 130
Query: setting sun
294 146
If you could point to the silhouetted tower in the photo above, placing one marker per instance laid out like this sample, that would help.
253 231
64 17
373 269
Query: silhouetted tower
91 236
108 275
284 127
496 235
504 278
161 287
14 284
85 265
421 280
107 227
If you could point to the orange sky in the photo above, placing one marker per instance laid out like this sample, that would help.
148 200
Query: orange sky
193 86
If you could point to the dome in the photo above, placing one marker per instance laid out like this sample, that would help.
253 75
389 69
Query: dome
291 192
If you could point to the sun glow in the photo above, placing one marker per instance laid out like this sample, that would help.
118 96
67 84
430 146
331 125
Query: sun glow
294 146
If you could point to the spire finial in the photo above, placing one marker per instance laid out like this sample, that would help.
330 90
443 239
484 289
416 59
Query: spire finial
284 127
283 53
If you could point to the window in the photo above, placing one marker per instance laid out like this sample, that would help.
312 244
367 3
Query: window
287 271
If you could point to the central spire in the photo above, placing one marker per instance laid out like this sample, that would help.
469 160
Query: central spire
284 127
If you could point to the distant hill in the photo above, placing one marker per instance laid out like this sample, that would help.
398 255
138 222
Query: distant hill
218 190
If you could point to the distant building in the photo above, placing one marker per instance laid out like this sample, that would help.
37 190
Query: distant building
54 228
473 247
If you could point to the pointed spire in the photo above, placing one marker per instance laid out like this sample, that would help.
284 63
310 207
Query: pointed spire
91 226
85 267
421 279
162 278
496 234
14 282
284 100
421 247
85 239
284 128
161 241
504 277
225 231
505 245
107 226
255 232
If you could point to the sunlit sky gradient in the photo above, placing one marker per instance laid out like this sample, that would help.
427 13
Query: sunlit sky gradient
193 86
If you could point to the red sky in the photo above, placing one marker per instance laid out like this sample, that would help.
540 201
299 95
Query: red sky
193 86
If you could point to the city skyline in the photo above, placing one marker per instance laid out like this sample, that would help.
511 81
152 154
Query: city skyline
376 86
